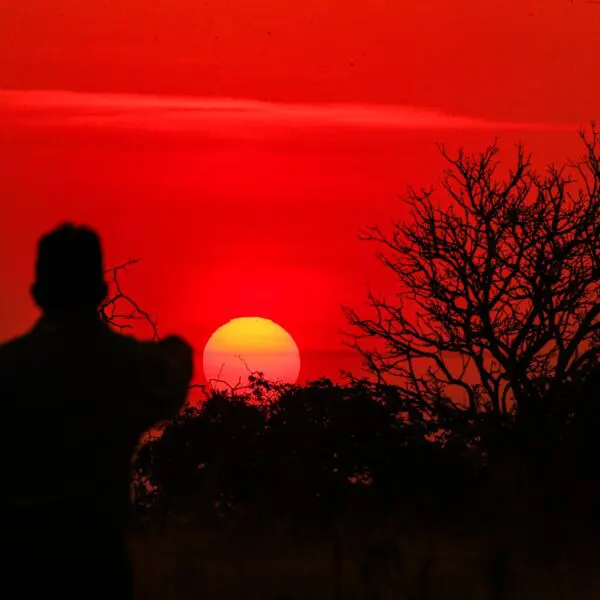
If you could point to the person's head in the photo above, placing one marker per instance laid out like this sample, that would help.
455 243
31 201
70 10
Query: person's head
69 273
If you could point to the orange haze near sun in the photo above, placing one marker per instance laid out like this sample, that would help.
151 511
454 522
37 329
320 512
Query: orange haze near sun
238 147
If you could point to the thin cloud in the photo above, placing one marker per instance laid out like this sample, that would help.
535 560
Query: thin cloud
205 114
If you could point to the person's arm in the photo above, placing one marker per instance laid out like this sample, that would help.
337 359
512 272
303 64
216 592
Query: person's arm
166 376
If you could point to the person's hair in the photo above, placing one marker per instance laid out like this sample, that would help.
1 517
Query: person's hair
69 271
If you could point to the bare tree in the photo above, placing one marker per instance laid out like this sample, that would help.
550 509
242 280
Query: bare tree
498 289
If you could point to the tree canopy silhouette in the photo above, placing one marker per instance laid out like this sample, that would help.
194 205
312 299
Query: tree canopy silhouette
498 288
310 452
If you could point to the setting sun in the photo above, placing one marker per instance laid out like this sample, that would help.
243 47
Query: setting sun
249 344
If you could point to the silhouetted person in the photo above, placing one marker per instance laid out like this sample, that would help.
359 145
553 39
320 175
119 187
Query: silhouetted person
76 397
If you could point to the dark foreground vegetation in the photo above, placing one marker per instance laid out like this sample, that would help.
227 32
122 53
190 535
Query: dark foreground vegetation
464 465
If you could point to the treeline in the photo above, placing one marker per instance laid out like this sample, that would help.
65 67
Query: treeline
324 453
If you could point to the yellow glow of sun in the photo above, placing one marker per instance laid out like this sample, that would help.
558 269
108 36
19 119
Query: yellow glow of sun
248 344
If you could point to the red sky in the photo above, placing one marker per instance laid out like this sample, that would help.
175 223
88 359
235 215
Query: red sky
237 147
